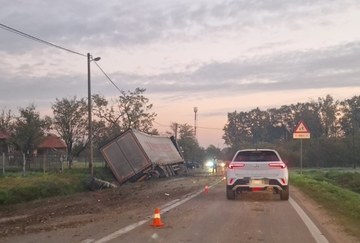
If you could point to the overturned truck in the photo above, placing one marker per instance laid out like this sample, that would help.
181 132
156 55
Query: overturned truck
133 155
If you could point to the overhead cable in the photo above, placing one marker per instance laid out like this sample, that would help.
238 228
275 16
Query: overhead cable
5 27
107 77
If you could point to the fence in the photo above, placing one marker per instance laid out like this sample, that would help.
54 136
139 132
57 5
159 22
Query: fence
54 162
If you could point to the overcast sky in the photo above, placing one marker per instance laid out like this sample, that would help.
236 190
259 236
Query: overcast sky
220 56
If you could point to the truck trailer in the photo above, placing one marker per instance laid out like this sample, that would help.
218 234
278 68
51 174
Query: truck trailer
132 155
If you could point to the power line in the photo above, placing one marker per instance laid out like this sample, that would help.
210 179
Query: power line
18 32
107 77
161 124
209 128
5 27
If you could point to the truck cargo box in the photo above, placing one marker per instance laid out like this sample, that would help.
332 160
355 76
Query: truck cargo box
131 154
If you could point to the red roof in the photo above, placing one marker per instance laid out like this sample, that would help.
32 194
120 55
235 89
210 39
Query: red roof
53 141
4 134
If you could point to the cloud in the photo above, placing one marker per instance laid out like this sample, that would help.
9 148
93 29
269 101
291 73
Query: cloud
265 42
336 66
92 23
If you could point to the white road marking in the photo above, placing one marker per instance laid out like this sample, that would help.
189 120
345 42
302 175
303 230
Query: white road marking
316 233
165 207
87 241
116 234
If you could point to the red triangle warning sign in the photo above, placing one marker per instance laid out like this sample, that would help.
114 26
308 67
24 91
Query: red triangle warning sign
301 128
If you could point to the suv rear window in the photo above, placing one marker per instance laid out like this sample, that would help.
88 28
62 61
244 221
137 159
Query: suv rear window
256 156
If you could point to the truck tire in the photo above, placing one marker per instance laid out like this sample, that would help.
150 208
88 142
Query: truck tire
230 194
284 193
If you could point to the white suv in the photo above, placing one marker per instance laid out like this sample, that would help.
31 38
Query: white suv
256 170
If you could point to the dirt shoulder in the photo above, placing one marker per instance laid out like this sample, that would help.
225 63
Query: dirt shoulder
77 210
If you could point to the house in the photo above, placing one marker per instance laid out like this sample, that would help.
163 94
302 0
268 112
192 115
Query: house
4 146
52 145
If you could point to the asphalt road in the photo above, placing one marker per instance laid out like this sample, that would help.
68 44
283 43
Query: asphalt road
252 217
203 217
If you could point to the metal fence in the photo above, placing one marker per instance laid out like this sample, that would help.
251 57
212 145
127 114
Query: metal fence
45 163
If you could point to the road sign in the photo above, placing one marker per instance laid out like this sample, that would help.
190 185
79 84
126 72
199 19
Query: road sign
301 131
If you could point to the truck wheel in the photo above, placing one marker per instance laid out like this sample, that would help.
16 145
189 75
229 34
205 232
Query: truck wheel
230 194
284 193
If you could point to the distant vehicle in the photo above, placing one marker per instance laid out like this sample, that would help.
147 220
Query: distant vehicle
192 164
256 170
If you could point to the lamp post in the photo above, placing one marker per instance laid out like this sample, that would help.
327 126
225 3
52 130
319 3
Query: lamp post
91 167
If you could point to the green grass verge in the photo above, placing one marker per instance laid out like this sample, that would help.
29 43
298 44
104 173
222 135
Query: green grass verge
15 188
335 191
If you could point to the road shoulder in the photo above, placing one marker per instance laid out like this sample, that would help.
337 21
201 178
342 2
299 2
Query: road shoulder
323 219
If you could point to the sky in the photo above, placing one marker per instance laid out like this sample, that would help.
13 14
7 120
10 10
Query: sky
219 56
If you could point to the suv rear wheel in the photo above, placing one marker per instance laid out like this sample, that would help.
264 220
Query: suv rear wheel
284 193
230 194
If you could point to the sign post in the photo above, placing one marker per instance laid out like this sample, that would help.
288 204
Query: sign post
301 132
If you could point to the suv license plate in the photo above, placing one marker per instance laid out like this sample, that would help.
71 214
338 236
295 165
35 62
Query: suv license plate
256 182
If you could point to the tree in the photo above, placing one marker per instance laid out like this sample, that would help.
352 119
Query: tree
6 120
236 131
71 123
329 110
29 130
350 123
212 152
129 110
188 143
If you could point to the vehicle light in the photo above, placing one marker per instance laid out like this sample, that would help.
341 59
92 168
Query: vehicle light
236 165
210 164
231 180
283 180
277 165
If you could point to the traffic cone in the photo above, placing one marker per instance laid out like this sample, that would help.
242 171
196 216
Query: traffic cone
157 221
206 190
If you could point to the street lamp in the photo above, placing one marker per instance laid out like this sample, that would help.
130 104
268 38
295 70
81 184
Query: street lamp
89 59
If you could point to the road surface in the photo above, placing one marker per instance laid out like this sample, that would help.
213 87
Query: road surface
198 217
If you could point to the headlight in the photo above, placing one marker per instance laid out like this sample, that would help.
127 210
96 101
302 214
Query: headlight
210 164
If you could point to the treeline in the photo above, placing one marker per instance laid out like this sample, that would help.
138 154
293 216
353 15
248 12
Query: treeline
70 121
334 127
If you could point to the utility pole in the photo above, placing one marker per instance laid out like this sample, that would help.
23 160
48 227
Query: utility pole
176 129
195 111
91 157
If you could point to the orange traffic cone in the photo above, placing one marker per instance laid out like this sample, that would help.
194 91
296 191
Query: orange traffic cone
206 190
157 221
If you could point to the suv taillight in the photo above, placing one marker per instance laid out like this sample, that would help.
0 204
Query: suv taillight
277 165
234 165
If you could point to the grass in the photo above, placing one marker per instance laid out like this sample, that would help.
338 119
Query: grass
336 191
15 188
